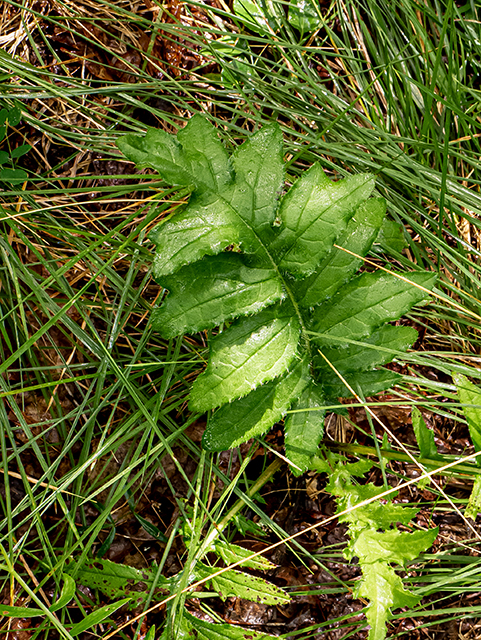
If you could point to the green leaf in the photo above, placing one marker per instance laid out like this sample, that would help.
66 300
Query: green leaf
314 213
339 266
305 428
14 116
97 617
238 250
206 227
150 528
304 15
4 157
370 382
21 150
378 349
391 236
213 291
367 302
14 176
384 589
424 437
259 172
151 633
231 553
470 397
374 540
375 515
474 503
10 611
68 591
251 12
118 580
257 412
205 153
196 158
196 629
242 585
252 351
392 546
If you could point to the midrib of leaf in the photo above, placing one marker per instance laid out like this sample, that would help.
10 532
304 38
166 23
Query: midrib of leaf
270 259
304 333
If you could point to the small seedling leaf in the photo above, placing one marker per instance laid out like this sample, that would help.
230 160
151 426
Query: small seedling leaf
97 617
68 592
470 397
424 437
20 151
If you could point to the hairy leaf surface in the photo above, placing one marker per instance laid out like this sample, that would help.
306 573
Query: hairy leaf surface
367 302
314 212
305 426
212 291
250 352
340 264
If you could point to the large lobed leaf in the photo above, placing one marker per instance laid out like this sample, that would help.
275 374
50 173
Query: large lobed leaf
282 271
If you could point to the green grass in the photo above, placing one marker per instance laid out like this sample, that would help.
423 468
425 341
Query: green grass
93 399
